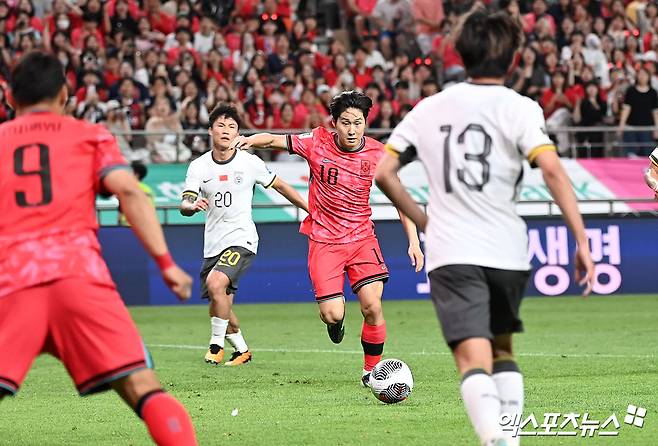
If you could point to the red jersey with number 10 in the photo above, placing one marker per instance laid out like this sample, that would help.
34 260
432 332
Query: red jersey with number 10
339 186
51 168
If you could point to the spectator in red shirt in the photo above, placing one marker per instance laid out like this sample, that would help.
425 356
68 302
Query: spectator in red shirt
159 20
89 28
443 49
360 72
284 119
31 21
557 105
259 112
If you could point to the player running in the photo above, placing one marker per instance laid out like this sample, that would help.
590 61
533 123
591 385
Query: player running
472 139
222 183
56 293
341 235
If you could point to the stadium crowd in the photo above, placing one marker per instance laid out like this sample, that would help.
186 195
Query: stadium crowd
162 66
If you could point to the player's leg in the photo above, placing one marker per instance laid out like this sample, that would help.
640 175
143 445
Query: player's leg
508 379
166 419
92 333
367 273
222 283
23 331
460 294
220 305
241 354
326 263
373 329
507 288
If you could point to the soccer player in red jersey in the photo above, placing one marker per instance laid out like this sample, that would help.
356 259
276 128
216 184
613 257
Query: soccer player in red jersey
341 235
56 293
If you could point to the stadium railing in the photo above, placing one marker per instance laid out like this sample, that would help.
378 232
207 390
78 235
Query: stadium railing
572 142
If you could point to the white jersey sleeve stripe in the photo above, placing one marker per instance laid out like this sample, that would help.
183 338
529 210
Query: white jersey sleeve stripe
271 183
534 153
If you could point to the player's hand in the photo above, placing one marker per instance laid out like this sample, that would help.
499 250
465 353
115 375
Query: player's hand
584 268
241 143
417 257
178 281
201 204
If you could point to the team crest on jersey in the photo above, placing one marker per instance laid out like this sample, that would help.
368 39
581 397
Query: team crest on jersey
238 177
365 167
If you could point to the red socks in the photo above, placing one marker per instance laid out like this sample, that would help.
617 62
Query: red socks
166 419
372 340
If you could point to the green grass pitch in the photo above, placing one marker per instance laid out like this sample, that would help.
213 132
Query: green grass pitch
597 355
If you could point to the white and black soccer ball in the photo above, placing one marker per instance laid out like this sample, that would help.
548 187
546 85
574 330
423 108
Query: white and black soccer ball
391 381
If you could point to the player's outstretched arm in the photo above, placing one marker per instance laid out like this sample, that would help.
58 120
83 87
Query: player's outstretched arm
260 141
414 251
558 183
191 204
290 193
651 174
388 181
141 215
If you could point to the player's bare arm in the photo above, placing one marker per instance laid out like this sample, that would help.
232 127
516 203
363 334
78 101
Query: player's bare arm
144 222
388 181
415 253
560 187
290 193
651 175
191 204
260 141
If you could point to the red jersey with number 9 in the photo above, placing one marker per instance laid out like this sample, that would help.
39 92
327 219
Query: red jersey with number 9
339 186
51 168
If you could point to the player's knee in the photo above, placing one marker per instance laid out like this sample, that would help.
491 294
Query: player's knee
371 308
217 285
331 316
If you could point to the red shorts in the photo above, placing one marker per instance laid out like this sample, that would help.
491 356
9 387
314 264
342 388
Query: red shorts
327 264
85 325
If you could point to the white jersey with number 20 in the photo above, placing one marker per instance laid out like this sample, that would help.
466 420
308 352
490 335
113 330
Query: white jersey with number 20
229 187
472 140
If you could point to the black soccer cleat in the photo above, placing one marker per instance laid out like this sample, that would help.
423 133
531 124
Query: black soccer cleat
336 332
365 380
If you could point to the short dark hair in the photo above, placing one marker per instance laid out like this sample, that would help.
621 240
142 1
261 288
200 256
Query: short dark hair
37 77
139 169
349 99
226 110
487 43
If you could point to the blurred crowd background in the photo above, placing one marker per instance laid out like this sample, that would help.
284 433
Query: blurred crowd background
151 69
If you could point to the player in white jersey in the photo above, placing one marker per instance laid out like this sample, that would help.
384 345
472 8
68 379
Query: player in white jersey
222 183
472 139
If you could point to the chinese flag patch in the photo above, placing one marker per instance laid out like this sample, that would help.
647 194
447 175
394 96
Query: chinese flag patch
223 178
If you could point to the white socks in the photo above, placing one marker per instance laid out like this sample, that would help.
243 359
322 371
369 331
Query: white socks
509 383
237 341
480 397
218 330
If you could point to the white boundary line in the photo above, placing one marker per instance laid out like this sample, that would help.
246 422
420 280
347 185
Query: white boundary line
421 353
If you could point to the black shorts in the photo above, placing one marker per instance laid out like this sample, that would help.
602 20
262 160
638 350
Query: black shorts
233 262
477 302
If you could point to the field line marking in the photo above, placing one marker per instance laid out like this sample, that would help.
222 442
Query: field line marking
421 353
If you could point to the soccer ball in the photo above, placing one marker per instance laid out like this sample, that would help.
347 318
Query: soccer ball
391 381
